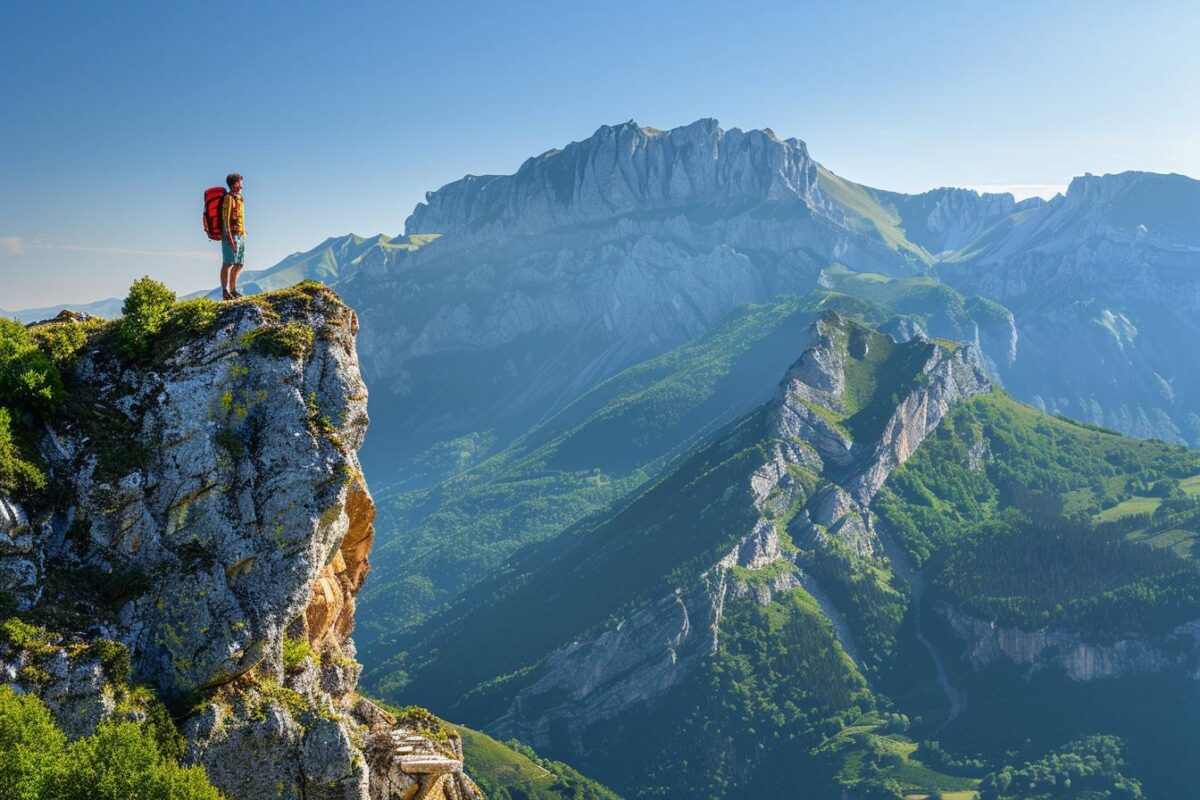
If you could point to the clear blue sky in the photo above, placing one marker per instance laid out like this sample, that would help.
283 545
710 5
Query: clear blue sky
116 116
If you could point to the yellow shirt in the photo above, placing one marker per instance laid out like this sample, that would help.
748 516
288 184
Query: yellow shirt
233 214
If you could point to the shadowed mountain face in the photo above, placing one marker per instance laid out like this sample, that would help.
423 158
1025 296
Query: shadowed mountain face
1104 283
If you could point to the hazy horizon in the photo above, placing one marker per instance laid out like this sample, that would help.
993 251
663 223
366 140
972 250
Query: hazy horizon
341 121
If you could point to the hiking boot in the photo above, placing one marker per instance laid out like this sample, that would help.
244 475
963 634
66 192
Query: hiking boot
225 295
236 294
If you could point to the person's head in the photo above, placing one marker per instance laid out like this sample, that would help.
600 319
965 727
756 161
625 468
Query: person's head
234 181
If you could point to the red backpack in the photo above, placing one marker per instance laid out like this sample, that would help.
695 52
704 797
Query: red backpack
212 211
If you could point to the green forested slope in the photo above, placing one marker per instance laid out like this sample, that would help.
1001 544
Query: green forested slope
998 514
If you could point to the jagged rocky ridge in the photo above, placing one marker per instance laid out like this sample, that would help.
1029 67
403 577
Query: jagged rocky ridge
616 633
618 247
815 488
209 514
612 249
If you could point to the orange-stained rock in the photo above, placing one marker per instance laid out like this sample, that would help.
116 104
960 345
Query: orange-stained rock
331 609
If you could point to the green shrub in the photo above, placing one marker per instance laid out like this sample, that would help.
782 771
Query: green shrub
194 316
23 636
296 651
114 657
294 340
161 728
146 310
63 340
29 381
30 745
18 475
120 761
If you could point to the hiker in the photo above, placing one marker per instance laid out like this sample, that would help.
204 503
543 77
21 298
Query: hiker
233 237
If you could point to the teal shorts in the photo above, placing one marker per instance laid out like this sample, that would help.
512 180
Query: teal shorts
231 254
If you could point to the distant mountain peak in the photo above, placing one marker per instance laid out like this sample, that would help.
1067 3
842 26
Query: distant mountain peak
619 169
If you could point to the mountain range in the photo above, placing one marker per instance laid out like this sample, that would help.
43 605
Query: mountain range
717 474
529 288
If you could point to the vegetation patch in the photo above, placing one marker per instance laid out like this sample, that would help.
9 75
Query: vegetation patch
1044 467
271 693
513 771
318 423
877 760
64 339
1087 769
22 636
120 760
20 470
297 651
291 340
113 657
1027 574
144 313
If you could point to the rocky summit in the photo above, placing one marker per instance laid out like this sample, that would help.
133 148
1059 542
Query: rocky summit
830 442
208 527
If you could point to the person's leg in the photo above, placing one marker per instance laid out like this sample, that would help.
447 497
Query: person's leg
225 280
239 262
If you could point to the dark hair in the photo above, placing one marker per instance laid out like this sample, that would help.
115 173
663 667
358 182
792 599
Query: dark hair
232 178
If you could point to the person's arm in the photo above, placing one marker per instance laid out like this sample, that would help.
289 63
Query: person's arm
226 210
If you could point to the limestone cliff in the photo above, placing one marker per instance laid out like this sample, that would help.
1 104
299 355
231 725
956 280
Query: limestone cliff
619 169
1065 650
208 513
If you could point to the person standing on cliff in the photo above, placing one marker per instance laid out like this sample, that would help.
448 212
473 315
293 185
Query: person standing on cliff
233 236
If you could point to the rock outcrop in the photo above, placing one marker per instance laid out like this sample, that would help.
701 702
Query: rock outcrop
1066 651
209 514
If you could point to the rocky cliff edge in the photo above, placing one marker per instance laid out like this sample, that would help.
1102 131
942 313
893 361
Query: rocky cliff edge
208 516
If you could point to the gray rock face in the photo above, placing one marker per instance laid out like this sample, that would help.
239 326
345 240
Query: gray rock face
241 500
1066 651
1103 281
20 557
236 527
945 220
818 381
619 169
